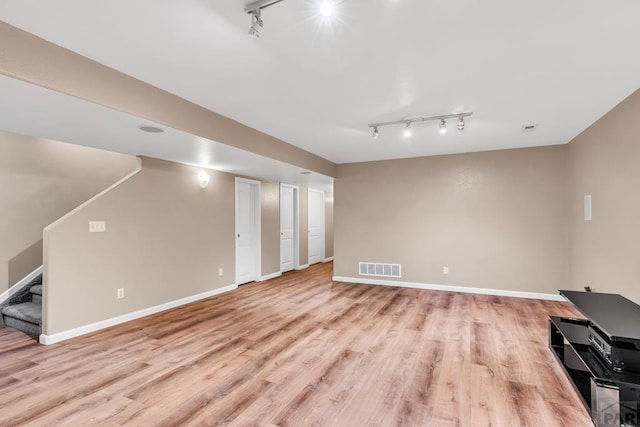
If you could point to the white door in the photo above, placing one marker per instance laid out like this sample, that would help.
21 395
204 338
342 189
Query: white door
316 226
287 228
247 231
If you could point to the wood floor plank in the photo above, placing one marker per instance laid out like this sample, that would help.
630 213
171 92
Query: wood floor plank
301 350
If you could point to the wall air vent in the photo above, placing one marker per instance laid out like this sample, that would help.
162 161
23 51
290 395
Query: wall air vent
529 128
380 269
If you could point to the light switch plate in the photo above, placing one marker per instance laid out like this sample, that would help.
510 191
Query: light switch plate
587 207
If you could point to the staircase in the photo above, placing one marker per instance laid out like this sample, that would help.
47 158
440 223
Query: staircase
24 310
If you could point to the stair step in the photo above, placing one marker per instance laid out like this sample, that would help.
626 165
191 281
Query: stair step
29 312
26 327
37 290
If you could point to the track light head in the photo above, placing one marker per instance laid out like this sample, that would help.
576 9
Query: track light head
326 8
376 134
408 132
443 126
461 123
255 31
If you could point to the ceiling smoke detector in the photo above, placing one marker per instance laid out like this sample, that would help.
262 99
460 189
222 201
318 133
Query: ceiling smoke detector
529 128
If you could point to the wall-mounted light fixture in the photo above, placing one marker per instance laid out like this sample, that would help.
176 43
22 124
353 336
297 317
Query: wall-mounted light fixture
407 132
203 179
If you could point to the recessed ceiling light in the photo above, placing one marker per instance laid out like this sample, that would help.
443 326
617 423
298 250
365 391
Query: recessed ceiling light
305 173
151 129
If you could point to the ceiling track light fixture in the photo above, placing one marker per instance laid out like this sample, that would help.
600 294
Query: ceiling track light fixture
461 123
376 134
255 31
255 9
408 122
327 9
408 132
443 126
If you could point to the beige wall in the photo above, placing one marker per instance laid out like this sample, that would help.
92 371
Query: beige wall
41 180
270 227
166 239
496 219
328 225
605 163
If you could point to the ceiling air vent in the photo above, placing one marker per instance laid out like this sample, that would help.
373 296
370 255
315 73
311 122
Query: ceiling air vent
529 128
380 269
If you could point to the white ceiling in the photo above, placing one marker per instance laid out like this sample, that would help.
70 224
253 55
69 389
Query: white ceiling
317 83
32 110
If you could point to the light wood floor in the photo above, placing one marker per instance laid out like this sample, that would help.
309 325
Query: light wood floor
301 350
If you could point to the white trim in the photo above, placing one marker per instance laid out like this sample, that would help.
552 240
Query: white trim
296 227
97 196
328 259
22 283
302 267
464 289
269 276
82 330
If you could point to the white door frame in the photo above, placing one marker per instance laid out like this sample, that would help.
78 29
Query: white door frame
256 217
322 222
296 224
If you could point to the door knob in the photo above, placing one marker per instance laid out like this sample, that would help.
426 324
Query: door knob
238 235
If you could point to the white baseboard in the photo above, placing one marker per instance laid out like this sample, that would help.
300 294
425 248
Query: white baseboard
23 282
82 330
464 289
302 267
269 276
328 259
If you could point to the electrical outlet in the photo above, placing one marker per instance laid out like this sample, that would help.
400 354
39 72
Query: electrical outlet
220 272
445 270
97 227
120 293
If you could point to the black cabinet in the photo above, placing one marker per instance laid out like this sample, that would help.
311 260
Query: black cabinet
601 366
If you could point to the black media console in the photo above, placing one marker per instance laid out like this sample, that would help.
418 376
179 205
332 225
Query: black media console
601 355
